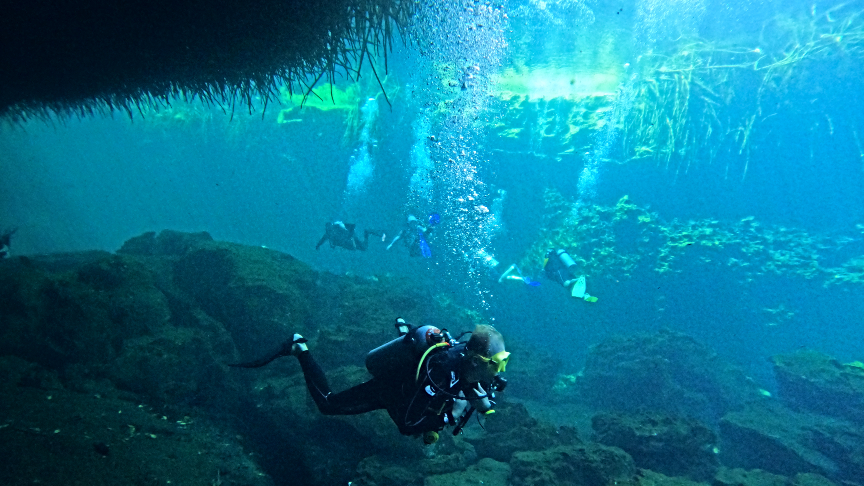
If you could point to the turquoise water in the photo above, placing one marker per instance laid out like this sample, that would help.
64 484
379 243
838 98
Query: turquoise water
739 117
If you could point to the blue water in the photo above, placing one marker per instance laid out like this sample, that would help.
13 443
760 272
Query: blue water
92 183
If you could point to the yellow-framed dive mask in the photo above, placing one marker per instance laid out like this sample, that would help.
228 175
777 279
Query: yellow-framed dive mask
498 361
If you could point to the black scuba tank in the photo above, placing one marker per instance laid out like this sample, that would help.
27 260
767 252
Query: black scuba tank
399 357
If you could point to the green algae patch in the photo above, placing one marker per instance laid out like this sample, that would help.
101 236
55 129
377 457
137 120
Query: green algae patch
627 237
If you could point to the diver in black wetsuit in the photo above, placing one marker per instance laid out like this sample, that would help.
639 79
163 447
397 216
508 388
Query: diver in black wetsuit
5 242
560 267
444 387
416 237
342 235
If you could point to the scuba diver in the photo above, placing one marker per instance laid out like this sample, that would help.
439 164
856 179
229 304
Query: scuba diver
512 273
5 242
425 379
416 236
559 266
342 234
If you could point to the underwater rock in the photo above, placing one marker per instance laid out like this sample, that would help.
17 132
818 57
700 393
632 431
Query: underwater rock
647 477
743 477
82 314
670 445
775 439
812 381
179 366
666 372
373 471
487 472
156 324
511 429
168 243
260 295
757 477
57 436
446 460
576 465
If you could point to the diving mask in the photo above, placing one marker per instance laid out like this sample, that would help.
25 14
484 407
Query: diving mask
498 361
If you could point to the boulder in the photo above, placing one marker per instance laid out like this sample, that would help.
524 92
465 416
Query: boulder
53 435
487 472
573 465
168 243
261 296
743 477
82 314
812 381
781 441
665 372
511 429
673 446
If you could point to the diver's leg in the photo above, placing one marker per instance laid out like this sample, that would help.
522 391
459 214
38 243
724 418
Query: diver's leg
397 238
362 398
361 245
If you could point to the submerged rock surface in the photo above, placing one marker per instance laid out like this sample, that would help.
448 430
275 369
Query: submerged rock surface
113 370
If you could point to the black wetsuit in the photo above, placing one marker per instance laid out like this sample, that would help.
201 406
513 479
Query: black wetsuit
415 406
555 269
343 235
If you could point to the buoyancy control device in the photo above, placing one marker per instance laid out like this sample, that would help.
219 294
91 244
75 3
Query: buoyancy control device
399 358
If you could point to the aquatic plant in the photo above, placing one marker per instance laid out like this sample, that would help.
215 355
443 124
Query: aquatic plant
708 98
87 60
626 238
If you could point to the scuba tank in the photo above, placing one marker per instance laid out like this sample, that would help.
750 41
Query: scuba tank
399 357
565 259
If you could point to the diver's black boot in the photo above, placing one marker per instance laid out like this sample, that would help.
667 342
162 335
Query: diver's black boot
288 348
297 345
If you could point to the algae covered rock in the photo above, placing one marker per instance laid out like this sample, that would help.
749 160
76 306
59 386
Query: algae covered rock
511 429
260 295
670 445
743 477
57 436
782 441
487 472
80 310
574 465
168 243
668 372
812 381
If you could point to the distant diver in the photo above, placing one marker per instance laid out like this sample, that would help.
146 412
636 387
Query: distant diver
342 235
416 236
559 266
511 274
425 379
6 242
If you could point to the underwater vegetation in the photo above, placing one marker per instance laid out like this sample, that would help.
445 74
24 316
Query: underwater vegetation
630 238
704 100
74 58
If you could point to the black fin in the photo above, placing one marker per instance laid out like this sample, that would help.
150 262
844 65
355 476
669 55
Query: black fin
284 350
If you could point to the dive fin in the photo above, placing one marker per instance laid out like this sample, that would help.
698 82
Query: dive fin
284 350
579 288
579 291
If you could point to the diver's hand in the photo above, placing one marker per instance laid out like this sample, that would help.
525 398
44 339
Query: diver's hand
483 404
459 407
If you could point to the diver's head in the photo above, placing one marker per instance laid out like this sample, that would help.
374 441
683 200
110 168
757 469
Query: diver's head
486 356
